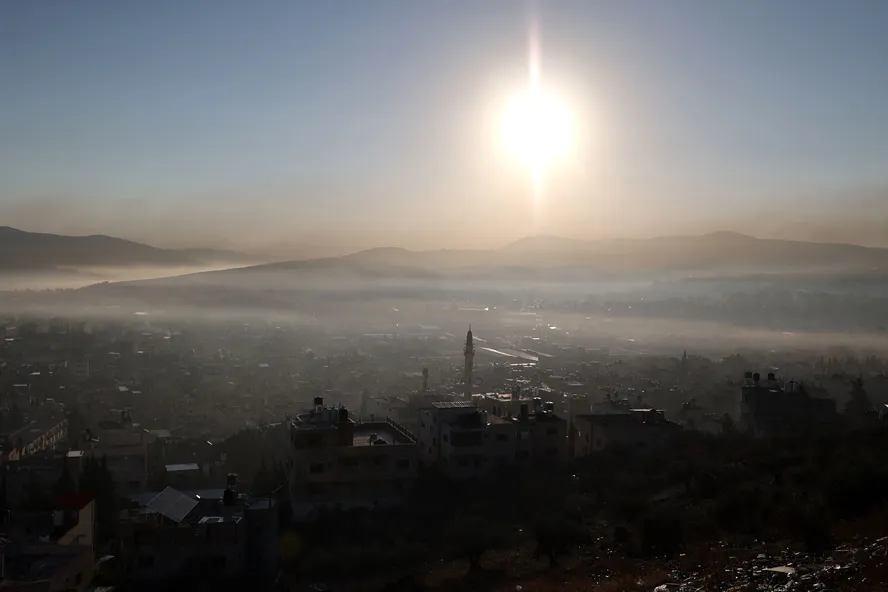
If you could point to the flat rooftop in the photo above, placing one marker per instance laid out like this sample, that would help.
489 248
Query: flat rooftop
453 404
368 434
183 467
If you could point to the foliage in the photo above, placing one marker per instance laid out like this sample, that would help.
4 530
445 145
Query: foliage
95 479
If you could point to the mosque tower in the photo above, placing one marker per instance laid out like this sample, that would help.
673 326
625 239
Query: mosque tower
470 363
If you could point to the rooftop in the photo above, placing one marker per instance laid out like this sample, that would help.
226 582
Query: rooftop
380 433
178 468
453 404
35 565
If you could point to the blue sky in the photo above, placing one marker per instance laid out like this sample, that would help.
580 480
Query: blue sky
367 122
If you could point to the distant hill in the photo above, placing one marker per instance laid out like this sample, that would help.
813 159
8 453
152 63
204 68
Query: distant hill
559 259
34 251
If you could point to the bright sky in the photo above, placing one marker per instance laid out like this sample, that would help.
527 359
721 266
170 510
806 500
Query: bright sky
372 122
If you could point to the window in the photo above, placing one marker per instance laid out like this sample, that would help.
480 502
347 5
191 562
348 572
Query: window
552 431
552 451
316 468
502 437
348 461
403 464
445 438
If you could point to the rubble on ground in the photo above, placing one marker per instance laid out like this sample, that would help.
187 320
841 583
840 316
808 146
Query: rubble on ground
843 569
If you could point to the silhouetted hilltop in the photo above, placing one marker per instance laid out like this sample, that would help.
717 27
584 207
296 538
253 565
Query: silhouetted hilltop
716 252
553 259
21 250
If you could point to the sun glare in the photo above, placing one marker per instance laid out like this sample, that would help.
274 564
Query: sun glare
537 129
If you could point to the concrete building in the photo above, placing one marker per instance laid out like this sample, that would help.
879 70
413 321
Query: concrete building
771 409
640 428
692 416
50 551
45 432
45 567
337 462
207 534
125 446
466 441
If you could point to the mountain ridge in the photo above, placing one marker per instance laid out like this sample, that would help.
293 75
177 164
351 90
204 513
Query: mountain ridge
24 250
553 259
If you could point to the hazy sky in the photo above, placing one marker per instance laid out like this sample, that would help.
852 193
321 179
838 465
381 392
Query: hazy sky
373 122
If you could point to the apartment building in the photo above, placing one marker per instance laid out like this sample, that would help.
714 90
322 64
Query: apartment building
465 441
209 534
640 428
334 461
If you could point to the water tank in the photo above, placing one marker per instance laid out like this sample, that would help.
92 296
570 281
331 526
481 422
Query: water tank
756 377
318 401
343 415
550 407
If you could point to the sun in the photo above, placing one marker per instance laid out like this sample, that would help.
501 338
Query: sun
537 128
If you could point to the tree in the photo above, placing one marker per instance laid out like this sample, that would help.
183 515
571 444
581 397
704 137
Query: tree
555 537
36 497
96 480
859 406
16 418
472 533
263 480
65 483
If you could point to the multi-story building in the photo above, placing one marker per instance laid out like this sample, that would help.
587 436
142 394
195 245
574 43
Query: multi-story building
124 447
334 461
638 429
211 534
48 428
46 567
51 551
772 409
466 441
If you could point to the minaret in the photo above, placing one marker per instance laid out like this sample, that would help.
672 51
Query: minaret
470 363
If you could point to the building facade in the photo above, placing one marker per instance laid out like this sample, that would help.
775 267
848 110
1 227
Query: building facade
465 441
638 429
336 462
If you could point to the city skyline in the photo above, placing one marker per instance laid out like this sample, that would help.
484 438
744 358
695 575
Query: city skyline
234 124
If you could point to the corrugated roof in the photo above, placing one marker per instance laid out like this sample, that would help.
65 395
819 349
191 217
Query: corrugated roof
172 504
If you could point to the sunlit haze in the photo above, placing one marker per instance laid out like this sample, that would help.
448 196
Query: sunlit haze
275 124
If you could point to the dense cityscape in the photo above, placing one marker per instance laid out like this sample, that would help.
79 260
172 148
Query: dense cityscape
149 451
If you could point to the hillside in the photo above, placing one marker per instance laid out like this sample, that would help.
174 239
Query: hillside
556 259
33 251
